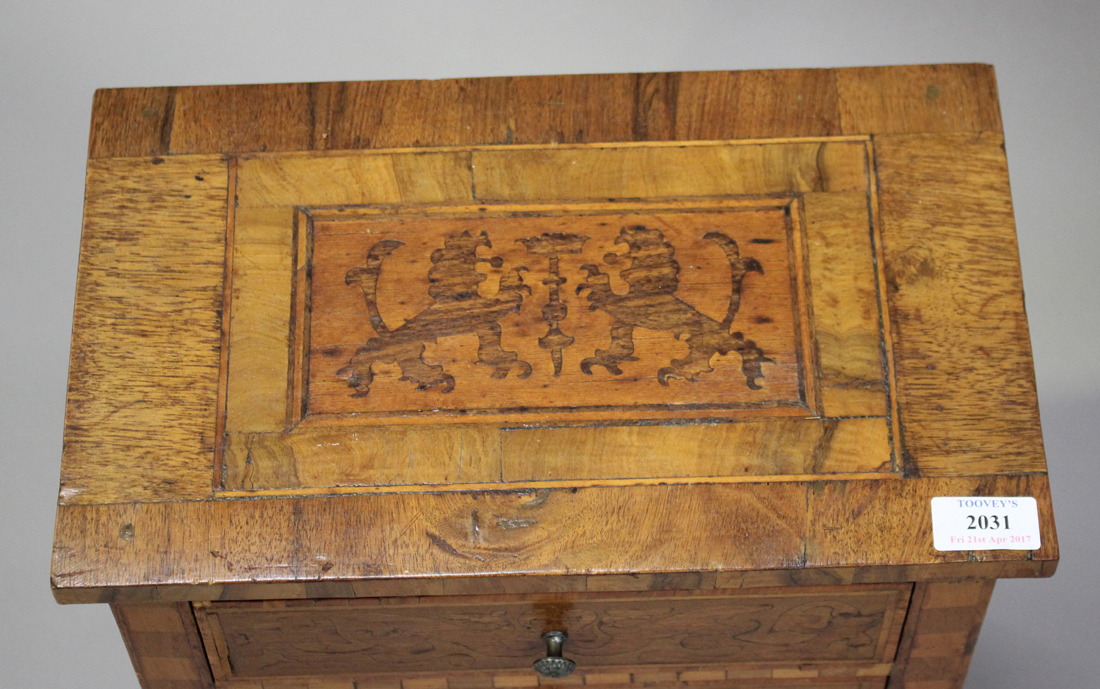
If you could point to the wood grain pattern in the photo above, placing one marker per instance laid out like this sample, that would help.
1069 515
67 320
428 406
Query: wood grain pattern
321 457
940 634
408 178
539 109
381 114
590 531
479 455
756 104
345 638
260 117
793 677
847 319
918 99
226 320
146 332
574 109
519 174
668 171
469 585
562 531
164 646
779 446
554 110
263 278
131 122
512 110
966 385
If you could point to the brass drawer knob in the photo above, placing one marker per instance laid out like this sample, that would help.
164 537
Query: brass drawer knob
553 665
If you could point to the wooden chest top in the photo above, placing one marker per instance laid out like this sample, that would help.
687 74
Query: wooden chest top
392 338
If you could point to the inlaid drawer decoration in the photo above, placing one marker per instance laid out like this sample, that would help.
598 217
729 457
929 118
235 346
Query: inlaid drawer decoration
817 626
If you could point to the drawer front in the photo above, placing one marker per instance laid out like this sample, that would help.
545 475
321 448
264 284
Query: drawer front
515 683
357 637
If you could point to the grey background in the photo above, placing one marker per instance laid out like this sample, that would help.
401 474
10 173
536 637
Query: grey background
1039 633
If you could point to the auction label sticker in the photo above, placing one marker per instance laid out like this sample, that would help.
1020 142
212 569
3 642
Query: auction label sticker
973 523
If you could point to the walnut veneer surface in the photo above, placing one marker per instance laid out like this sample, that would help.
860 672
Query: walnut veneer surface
643 350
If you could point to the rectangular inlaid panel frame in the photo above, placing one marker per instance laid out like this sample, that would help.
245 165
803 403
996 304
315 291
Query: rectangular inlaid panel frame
837 421
553 393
